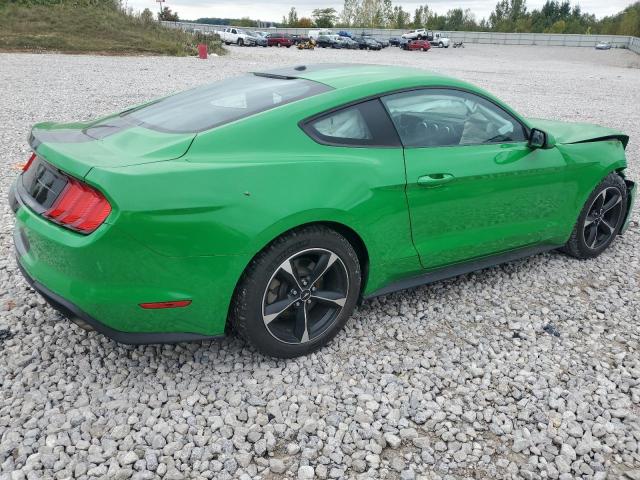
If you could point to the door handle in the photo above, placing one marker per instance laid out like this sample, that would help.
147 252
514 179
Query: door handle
435 179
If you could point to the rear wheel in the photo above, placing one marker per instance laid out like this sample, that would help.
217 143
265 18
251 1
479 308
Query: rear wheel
298 293
600 219
240 42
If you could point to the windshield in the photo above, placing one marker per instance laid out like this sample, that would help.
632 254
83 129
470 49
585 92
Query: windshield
222 102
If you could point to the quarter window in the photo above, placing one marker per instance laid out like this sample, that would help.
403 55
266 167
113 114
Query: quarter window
442 117
362 125
348 123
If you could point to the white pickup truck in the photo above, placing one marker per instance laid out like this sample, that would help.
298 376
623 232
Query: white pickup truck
436 39
236 35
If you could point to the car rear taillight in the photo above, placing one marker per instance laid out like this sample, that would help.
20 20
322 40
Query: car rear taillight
26 166
79 207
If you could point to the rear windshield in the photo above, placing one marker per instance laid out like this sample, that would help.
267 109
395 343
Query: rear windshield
222 102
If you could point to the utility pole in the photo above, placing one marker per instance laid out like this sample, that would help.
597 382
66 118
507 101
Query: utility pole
160 2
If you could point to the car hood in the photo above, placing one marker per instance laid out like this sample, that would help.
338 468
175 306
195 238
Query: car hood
573 132
111 142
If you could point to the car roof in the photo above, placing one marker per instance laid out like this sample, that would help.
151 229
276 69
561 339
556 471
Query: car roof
342 75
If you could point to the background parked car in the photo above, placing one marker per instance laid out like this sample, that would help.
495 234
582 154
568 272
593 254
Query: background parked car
259 39
603 46
328 41
437 39
368 43
423 45
348 43
419 34
314 34
279 40
297 38
383 42
344 33
235 35
395 41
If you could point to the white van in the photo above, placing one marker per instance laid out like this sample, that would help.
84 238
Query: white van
314 34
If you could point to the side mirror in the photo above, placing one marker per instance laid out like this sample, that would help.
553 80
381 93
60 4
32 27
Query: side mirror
537 139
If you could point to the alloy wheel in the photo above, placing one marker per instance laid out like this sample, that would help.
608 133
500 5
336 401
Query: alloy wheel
601 222
305 295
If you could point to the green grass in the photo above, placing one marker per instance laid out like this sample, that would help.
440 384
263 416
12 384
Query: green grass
76 27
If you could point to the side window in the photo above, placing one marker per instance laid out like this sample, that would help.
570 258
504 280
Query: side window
347 123
442 117
363 125
234 31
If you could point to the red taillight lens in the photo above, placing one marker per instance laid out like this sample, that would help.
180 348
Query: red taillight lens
79 207
26 166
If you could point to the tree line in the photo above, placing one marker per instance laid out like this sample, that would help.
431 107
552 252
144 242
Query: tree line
555 16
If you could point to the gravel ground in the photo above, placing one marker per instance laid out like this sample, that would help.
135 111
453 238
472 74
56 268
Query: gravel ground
528 370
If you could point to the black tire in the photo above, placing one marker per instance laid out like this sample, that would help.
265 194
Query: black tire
240 42
265 278
582 244
441 44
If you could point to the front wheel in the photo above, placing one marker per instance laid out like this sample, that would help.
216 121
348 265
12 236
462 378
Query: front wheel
240 42
298 293
600 219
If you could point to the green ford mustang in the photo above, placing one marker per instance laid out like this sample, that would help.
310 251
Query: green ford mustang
271 204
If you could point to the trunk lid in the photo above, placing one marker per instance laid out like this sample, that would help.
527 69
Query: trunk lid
572 132
112 142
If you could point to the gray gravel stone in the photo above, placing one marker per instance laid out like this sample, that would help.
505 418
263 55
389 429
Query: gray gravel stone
277 466
306 472
431 383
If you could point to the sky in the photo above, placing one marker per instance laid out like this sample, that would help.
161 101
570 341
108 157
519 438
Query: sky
273 10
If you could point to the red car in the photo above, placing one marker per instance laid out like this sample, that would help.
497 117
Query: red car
279 40
423 45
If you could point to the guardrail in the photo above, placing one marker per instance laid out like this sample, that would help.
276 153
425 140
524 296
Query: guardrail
494 38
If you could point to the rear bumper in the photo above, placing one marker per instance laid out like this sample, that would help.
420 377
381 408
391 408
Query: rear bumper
84 320
100 280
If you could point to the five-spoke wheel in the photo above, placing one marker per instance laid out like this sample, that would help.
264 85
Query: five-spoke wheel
298 292
603 217
600 219
305 295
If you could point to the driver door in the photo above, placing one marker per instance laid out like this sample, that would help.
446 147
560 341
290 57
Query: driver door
474 187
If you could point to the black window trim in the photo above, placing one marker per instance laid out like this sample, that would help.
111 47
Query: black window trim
305 124
391 139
